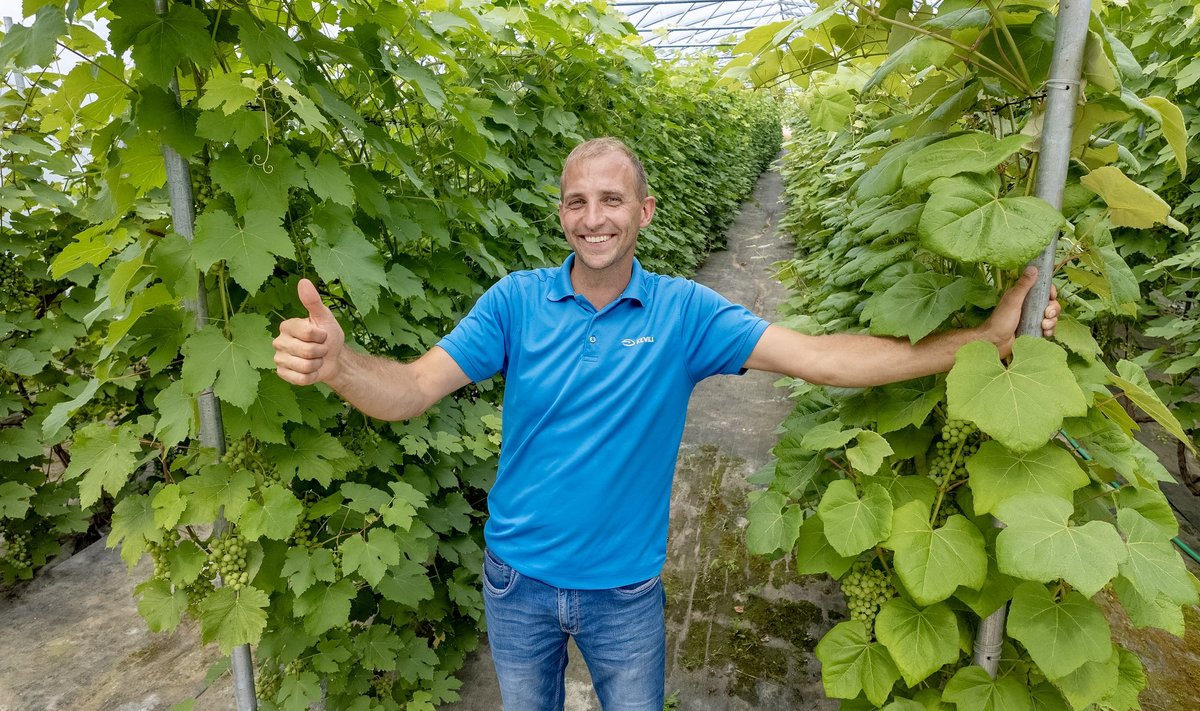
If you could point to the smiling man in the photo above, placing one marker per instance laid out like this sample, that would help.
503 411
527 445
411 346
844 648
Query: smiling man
599 359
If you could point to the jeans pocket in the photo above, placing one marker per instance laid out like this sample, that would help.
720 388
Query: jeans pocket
498 576
636 589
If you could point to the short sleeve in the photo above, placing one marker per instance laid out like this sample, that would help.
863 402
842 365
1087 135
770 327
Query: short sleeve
479 343
721 334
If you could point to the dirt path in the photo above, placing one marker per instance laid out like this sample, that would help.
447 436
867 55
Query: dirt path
740 632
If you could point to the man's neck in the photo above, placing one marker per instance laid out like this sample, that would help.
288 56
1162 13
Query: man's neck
600 289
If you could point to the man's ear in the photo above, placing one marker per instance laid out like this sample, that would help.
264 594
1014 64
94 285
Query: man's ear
648 205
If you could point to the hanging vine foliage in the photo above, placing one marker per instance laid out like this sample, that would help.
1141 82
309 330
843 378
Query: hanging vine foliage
910 178
402 156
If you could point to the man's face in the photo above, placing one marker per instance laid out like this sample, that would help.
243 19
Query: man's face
601 213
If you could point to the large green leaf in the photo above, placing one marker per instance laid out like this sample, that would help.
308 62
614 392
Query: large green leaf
159 605
972 688
1173 129
343 253
814 553
920 641
181 33
851 663
972 152
868 455
1039 543
275 517
933 563
853 525
1153 566
1060 635
233 618
964 220
1136 386
34 45
1022 405
774 524
1158 612
105 457
900 405
1129 203
998 473
1091 682
229 364
918 303
370 554
249 249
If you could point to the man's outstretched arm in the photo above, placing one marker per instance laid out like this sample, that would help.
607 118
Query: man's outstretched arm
312 350
850 360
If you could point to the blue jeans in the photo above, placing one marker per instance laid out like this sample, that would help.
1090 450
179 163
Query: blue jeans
621 633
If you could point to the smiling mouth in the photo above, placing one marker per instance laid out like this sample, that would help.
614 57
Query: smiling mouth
596 239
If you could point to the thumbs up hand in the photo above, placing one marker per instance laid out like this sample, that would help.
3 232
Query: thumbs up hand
308 350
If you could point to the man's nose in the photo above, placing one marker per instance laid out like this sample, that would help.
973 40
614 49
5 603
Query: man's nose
594 215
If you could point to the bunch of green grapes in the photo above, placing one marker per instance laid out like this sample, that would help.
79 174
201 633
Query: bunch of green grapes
382 683
365 440
269 677
199 589
242 454
159 551
960 439
948 508
866 588
14 284
228 557
16 549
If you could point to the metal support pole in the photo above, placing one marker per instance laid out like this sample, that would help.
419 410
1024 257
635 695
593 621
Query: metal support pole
1062 98
212 429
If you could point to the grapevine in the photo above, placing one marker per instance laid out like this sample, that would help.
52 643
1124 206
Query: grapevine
227 556
159 552
16 548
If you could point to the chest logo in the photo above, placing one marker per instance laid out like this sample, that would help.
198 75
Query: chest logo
631 342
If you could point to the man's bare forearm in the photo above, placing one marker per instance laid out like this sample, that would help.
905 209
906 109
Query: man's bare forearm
378 387
861 360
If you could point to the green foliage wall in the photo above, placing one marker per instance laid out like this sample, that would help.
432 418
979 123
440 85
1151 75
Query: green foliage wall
909 179
403 156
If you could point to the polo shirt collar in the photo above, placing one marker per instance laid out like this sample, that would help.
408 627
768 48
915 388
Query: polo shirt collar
561 288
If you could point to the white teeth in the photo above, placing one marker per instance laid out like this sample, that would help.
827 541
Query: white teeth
597 239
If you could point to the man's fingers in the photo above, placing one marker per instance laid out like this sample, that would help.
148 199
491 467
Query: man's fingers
300 329
318 312
297 364
296 378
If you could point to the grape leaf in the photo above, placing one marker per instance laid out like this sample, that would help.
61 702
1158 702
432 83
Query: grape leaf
972 688
971 152
176 412
327 179
1158 612
406 584
378 647
312 455
302 568
1129 203
274 518
182 33
997 473
851 663
920 641
249 250
1091 682
828 435
400 512
324 607
853 525
228 91
918 303
870 452
169 506
254 186
1153 565
186 561
274 405
133 524
932 563
14 499
230 365
1131 679
105 457
342 253
1137 388
1022 405
233 618
899 405
964 220
243 128
1173 129
1040 544
814 554
159 606
216 486
774 524
370 555
35 45
1060 636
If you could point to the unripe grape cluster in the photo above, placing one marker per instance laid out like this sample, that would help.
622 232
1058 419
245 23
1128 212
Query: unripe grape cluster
14 284
866 588
366 440
269 677
948 508
159 551
959 441
242 454
228 557
16 549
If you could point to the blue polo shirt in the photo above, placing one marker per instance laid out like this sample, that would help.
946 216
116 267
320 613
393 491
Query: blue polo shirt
594 407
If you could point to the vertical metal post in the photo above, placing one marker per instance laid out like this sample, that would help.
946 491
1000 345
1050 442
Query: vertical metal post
1062 98
212 429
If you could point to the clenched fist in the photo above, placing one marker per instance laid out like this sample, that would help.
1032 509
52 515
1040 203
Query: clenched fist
307 349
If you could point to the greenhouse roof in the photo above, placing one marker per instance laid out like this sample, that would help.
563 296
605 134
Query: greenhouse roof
681 26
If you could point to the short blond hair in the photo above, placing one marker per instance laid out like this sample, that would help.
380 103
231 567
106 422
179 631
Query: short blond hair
607 144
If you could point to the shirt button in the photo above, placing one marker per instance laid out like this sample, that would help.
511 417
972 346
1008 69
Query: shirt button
591 339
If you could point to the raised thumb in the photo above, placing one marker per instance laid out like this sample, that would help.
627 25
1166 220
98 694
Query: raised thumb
318 312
